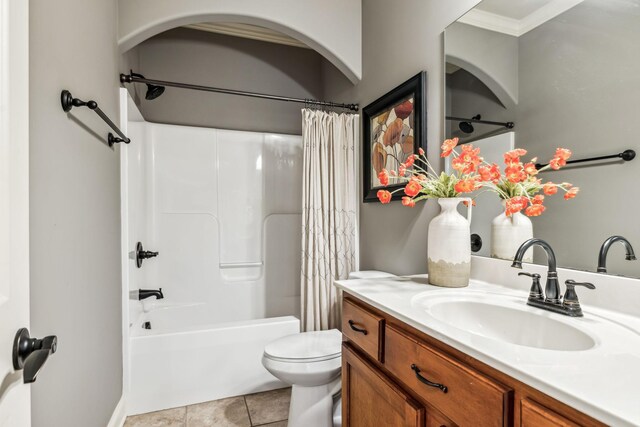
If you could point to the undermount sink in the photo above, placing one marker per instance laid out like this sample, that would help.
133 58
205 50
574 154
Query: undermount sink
504 321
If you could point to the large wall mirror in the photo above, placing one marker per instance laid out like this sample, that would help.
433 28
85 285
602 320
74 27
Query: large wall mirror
548 74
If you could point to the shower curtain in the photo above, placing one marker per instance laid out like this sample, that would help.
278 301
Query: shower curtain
329 203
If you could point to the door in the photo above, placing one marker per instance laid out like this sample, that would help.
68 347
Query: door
369 398
14 204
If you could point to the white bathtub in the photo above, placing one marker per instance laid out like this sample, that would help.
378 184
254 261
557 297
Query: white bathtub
182 360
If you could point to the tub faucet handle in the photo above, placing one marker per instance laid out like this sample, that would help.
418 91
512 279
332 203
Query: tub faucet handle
536 290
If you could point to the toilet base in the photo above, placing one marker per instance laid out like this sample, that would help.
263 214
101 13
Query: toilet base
313 406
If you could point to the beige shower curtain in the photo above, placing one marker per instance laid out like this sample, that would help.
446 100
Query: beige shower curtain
329 220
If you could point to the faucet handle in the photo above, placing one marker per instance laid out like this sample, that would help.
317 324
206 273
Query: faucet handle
570 300
535 293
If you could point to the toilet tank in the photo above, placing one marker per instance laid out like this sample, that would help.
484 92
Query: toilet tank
369 274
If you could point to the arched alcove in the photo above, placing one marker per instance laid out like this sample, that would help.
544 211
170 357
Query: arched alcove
330 27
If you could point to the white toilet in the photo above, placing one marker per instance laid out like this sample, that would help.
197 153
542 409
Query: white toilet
311 362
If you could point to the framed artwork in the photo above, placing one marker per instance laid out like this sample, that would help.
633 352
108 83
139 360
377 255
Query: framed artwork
395 127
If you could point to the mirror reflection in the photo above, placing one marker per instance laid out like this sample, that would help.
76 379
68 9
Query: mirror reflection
544 74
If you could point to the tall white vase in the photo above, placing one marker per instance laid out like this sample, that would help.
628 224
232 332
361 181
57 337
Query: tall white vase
508 233
449 250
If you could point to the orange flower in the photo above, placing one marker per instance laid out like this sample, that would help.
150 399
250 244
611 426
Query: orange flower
468 160
421 151
549 188
534 210
465 185
556 163
537 200
563 153
408 201
402 170
516 204
412 188
513 156
447 146
410 160
466 202
531 169
571 193
384 196
515 173
383 177
489 173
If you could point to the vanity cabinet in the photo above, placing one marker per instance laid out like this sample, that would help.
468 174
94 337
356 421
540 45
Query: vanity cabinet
395 375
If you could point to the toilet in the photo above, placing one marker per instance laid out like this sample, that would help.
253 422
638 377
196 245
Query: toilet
311 362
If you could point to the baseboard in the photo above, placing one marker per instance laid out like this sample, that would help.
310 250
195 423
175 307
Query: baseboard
119 415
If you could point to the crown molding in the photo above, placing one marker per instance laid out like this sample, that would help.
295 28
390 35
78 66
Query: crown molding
517 27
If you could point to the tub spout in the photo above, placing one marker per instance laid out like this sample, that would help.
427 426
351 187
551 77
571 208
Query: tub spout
146 293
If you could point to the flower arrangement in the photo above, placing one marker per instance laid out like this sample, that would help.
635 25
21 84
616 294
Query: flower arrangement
517 184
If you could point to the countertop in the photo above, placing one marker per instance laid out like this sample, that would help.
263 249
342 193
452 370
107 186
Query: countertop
603 382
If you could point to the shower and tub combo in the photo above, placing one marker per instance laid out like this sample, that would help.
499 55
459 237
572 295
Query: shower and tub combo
222 210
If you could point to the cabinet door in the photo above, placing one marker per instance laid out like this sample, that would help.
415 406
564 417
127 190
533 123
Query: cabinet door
535 415
369 398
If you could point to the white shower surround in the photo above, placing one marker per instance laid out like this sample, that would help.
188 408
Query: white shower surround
223 210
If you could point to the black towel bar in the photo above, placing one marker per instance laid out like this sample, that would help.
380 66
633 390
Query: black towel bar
68 102
626 155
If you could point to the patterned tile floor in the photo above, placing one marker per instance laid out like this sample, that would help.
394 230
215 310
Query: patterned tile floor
268 409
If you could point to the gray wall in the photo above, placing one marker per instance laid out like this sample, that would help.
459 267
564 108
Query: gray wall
393 237
75 213
209 59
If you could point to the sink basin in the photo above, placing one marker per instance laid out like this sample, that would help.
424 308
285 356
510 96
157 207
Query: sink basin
505 320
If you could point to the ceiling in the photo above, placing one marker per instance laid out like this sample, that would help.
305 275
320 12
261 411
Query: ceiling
247 31
515 17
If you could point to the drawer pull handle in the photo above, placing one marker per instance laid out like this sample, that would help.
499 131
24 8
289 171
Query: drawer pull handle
426 381
353 326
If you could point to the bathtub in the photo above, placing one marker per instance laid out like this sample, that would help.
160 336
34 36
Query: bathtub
185 358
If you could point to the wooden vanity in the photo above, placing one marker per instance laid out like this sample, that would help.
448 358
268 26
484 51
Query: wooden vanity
395 375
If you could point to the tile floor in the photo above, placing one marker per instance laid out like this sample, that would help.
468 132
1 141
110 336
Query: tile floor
267 409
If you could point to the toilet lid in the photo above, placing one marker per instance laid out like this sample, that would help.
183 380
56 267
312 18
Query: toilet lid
306 347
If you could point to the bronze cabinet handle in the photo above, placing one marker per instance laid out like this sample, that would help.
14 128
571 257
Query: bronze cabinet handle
353 326
426 381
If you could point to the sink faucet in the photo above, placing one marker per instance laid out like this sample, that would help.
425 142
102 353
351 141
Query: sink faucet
552 288
146 293
551 300
604 250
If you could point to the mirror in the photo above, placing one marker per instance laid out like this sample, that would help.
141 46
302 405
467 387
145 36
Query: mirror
548 74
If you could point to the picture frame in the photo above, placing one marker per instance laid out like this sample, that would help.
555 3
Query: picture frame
394 127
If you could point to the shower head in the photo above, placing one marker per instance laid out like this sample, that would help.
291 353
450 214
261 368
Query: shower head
153 91
467 127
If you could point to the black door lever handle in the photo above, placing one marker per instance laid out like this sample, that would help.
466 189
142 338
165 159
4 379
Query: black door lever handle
31 353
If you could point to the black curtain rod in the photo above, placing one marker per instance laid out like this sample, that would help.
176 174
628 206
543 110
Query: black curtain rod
626 155
508 125
132 78
68 102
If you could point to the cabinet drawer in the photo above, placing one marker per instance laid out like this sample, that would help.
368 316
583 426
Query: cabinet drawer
465 396
363 328
535 415
436 420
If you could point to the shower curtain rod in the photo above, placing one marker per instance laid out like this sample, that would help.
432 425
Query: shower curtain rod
508 125
132 78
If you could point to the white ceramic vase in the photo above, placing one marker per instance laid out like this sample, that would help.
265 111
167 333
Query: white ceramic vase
449 250
508 233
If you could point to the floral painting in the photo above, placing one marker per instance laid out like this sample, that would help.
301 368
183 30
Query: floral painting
394 130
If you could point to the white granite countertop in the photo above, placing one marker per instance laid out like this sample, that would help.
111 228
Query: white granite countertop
603 381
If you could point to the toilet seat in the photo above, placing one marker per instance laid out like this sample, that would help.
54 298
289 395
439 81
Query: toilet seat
306 347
